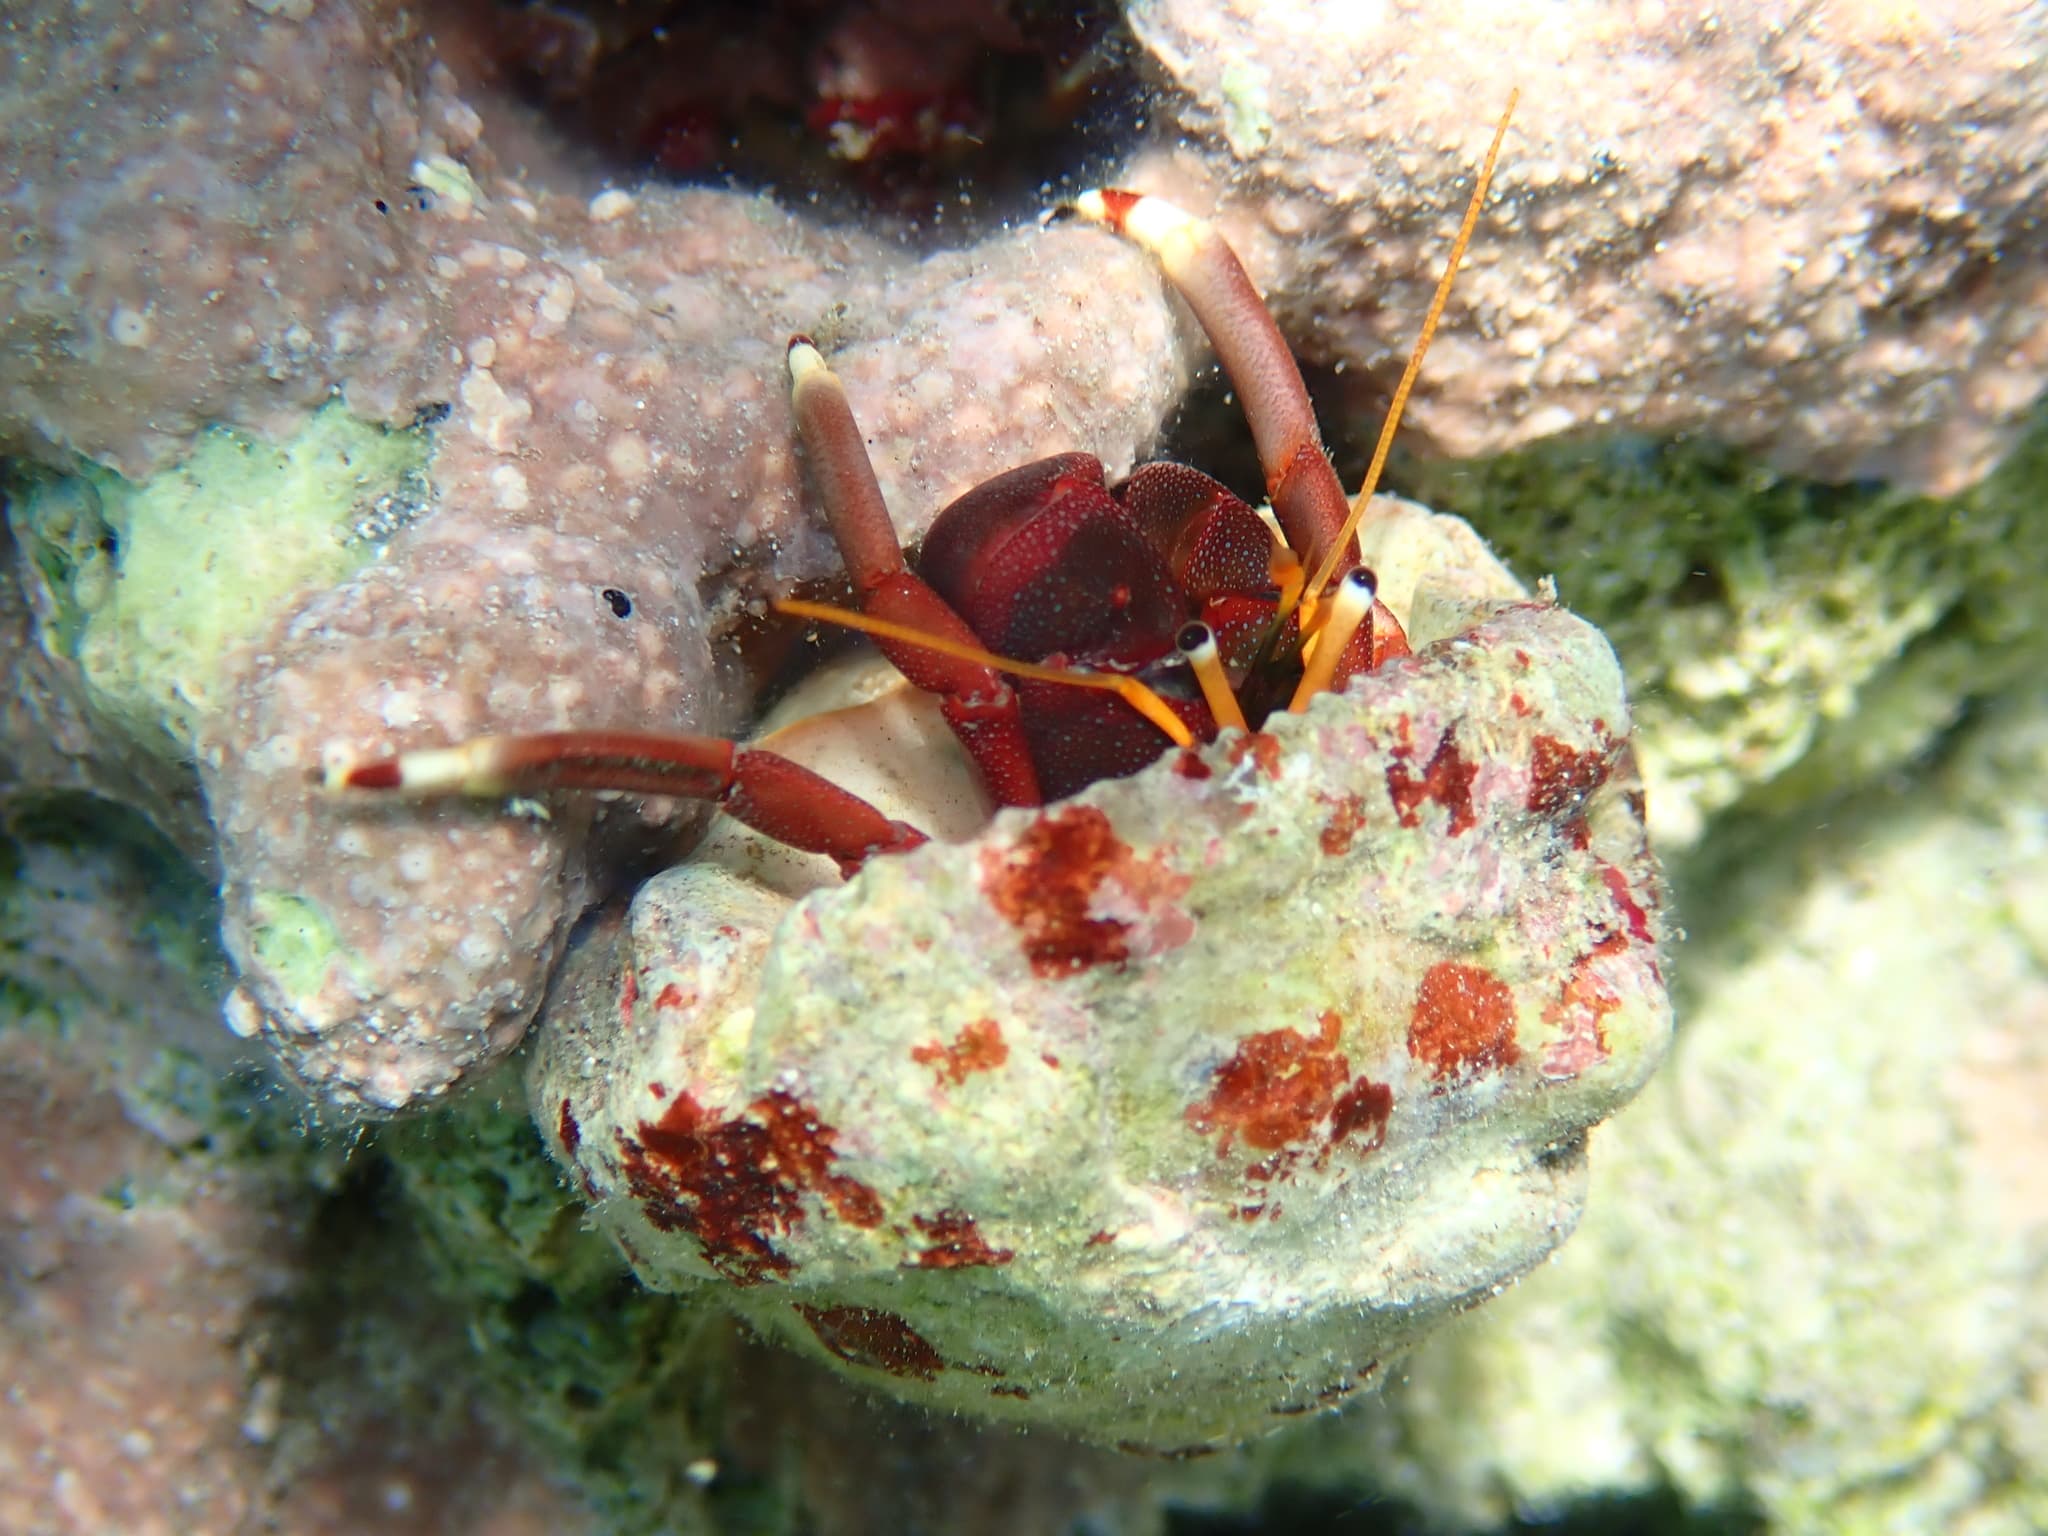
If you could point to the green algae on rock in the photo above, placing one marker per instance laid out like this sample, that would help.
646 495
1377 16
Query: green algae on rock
1175 1109
151 586
1786 639
1814 1270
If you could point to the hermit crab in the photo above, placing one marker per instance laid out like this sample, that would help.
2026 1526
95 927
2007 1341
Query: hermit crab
1228 1008
1067 633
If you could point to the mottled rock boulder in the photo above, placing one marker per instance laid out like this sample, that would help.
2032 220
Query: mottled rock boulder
1177 1107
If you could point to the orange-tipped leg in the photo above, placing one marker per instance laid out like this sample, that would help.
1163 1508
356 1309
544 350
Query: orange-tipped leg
771 794
1307 497
978 704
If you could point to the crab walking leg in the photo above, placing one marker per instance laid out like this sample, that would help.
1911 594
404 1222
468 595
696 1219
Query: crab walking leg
771 794
1307 496
977 703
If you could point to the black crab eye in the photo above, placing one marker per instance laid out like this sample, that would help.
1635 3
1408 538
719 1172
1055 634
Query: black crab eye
620 604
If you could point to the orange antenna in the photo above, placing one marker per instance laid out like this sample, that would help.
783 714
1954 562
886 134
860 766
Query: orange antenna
1342 542
1129 689
1197 642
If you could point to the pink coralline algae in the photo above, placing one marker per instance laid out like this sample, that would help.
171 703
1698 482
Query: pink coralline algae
316 207
152 1386
1811 231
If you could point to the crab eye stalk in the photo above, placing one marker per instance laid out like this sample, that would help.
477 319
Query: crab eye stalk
1348 608
1197 642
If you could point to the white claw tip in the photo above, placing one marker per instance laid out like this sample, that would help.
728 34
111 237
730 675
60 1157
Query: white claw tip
1090 205
804 359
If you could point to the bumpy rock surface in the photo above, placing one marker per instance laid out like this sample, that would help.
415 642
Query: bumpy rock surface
158 1242
1784 640
608 367
1812 234
1813 1275
1175 1108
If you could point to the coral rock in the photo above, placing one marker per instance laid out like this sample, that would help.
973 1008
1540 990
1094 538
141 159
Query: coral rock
1812 235
606 370
1174 1107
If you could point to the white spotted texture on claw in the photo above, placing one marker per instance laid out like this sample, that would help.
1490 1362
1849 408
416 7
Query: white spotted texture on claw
1174 1107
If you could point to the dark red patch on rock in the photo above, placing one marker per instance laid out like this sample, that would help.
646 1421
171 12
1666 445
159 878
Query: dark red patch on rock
1464 1021
1276 1087
879 1340
1279 1166
672 996
1447 780
1560 777
1046 885
1178 1453
1347 817
1189 765
1638 919
1363 1111
1263 750
956 1243
629 994
568 1130
1008 1389
979 1047
738 1184
1101 1237
1579 1015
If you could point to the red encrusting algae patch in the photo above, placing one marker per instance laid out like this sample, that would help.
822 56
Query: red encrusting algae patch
629 994
737 1184
1560 776
1464 1021
568 1130
1048 882
1579 1015
956 1242
882 1341
979 1047
1262 749
1447 780
1638 919
1363 1110
672 996
1347 818
1274 1090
